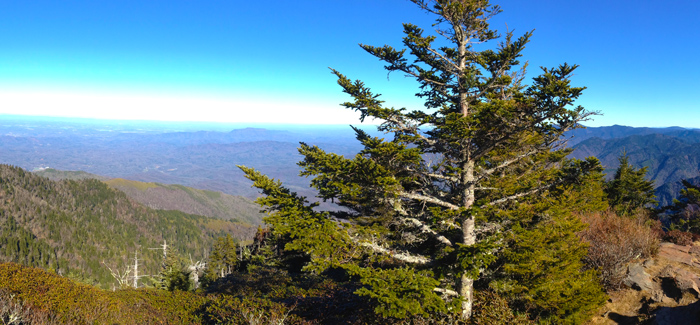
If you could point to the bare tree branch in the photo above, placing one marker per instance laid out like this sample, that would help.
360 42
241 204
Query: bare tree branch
449 62
447 292
443 177
515 196
121 277
401 256
507 163
425 229
429 199
489 227
486 188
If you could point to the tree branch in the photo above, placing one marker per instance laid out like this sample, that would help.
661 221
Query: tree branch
429 199
401 256
401 125
425 229
506 164
436 83
486 188
447 292
443 177
452 64
515 196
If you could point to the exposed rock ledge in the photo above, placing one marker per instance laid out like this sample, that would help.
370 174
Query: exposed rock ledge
664 290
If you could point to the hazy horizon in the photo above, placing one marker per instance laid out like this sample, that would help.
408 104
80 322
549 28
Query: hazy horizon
223 126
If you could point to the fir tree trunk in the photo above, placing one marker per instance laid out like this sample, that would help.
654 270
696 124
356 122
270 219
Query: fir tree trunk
466 291
466 283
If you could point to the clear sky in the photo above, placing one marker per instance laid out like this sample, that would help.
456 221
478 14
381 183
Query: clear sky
267 61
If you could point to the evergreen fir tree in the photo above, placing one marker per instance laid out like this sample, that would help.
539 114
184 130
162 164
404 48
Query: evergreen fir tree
629 190
684 213
173 274
426 211
223 258
541 267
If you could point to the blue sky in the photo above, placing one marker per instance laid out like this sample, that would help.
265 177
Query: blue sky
255 61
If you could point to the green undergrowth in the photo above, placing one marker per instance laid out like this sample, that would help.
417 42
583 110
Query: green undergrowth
35 296
264 296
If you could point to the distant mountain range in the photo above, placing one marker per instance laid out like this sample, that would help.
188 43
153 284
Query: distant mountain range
670 154
621 131
201 159
206 159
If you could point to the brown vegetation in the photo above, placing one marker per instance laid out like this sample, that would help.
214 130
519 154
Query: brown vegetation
614 242
679 237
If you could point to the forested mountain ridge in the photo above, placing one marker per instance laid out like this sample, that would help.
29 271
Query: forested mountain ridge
621 131
80 228
190 200
174 197
670 157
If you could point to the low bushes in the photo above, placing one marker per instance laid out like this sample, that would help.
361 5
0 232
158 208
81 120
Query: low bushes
34 296
614 242
679 237
48 298
234 311
492 309
311 299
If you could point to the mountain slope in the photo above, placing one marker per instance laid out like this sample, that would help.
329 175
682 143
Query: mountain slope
59 175
190 200
668 158
73 227
621 131
174 197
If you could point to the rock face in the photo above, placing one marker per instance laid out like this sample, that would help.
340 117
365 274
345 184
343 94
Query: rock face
664 291
687 255
680 279
638 279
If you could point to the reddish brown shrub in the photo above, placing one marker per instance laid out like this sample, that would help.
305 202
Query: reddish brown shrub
679 237
614 242
657 228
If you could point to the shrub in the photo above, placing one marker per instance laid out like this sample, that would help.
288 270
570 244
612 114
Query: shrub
40 297
225 309
49 296
679 237
14 312
492 309
657 228
614 242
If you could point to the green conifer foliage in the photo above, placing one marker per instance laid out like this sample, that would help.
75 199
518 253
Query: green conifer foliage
427 209
684 214
629 190
541 271
174 274
223 259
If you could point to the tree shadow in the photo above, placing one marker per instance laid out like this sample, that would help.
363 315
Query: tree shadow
624 319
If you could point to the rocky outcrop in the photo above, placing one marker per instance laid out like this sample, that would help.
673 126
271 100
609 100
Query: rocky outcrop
638 279
664 290
688 255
